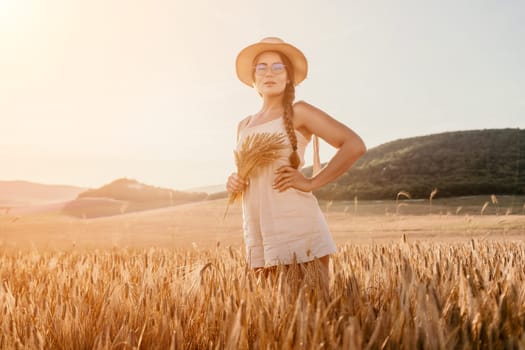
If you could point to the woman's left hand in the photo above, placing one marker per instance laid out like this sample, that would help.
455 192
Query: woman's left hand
289 177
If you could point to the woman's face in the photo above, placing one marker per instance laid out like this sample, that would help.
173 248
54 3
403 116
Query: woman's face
270 74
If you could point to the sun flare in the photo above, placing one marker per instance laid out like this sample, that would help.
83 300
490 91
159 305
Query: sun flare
13 12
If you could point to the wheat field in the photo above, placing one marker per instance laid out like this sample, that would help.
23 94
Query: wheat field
397 295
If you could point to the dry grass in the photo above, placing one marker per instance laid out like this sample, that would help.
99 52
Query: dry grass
400 295
256 152
203 224
78 287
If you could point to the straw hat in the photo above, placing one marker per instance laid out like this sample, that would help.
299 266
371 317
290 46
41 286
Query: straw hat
244 62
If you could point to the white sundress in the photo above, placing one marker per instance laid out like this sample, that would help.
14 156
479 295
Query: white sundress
281 227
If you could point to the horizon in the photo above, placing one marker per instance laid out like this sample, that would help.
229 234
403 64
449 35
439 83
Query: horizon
202 187
150 93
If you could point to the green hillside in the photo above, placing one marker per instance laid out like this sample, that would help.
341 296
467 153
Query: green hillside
456 163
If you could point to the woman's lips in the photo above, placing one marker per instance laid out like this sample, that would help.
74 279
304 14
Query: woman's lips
269 83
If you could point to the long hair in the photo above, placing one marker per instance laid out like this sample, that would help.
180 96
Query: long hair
288 99
287 102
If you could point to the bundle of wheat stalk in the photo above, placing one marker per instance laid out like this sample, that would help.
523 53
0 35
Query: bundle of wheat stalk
256 152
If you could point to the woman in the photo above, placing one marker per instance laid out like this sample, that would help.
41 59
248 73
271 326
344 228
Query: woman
282 221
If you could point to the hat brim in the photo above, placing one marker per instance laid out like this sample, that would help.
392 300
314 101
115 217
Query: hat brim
245 58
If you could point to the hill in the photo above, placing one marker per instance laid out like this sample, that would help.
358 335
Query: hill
24 193
476 162
211 189
127 195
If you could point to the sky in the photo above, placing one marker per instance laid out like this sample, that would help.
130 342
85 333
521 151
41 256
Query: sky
92 91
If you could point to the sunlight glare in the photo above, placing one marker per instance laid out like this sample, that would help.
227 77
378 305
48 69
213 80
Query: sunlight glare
13 13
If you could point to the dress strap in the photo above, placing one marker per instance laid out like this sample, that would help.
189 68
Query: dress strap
242 124
317 160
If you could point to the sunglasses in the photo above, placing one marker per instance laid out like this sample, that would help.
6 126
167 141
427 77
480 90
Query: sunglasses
262 68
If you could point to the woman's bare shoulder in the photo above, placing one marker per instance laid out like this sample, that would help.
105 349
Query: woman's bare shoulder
301 105
242 124
303 110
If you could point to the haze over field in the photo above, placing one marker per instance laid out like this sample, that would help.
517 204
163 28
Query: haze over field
94 91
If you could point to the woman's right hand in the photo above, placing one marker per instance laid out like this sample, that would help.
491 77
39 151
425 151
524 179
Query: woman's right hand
236 183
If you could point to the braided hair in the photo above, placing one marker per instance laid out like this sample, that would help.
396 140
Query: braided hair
287 102
288 99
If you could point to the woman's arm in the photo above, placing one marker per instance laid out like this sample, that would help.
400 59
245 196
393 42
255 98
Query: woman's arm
350 147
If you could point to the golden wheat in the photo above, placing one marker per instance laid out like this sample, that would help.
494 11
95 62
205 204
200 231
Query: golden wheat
399 295
399 205
432 195
256 152
484 207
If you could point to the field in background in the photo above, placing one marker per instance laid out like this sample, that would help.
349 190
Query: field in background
203 224
458 206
